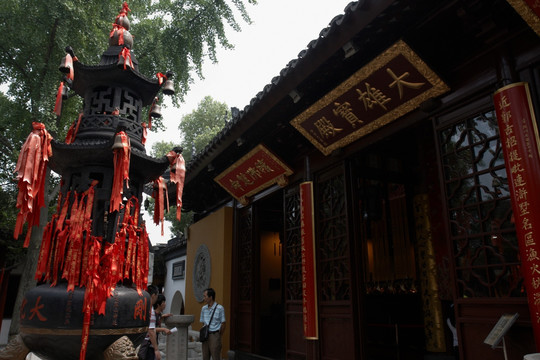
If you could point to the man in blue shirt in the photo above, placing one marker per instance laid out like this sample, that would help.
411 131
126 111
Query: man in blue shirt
217 326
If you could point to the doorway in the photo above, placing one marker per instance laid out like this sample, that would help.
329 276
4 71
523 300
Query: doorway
271 311
392 313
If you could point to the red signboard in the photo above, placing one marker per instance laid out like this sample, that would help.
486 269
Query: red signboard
520 142
254 172
390 86
529 11
309 279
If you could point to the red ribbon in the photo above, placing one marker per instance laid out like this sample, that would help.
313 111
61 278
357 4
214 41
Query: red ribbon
161 78
126 54
144 133
58 103
73 130
121 171
178 175
161 201
69 65
30 169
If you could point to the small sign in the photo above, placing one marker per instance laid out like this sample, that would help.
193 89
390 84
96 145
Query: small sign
178 270
254 172
500 329
390 86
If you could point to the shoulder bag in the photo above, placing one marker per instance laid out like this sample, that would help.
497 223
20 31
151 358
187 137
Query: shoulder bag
205 330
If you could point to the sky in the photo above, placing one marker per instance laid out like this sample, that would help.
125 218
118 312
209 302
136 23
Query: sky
280 29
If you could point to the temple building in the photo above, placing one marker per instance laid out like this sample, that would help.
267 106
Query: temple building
366 198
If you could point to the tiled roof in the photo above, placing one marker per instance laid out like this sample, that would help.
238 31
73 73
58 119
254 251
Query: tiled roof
304 56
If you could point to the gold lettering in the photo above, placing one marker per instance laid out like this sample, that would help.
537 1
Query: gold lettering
529 239
326 128
235 184
532 254
400 82
372 96
526 225
344 110
503 103
263 167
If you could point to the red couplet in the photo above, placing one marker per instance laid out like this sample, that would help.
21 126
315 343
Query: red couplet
520 143
309 279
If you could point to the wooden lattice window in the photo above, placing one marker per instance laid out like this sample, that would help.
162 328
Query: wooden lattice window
293 242
479 209
333 263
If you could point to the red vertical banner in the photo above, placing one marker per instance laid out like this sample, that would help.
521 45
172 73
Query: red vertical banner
520 143
309 279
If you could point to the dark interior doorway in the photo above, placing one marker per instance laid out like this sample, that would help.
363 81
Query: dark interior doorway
271 316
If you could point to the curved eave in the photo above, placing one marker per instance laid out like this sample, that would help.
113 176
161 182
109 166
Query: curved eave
88 77
99 153
357 15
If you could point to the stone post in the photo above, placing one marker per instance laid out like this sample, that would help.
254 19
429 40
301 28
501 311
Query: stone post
177 343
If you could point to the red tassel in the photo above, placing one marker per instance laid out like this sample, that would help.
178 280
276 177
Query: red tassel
126 54
178 175
58 103
144 133
69 65
73 130
30 169
161 201
161 78
121 172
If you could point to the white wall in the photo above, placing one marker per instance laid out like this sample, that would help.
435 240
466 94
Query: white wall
173 287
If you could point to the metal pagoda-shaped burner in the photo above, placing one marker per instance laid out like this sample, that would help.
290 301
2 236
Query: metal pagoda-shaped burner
94 254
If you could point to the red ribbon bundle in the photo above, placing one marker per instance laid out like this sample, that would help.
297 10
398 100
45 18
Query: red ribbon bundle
58 104
30 169
178 175
126 55
121 171
161 201
144 133
73 130
69 65
161 78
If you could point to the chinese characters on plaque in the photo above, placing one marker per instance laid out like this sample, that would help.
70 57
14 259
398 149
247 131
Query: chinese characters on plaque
390 86
254 172
520 143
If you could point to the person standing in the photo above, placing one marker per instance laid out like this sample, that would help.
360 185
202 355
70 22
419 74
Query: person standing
149 348
159 308
212 310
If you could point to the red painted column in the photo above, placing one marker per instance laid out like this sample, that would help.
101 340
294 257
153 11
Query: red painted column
309 278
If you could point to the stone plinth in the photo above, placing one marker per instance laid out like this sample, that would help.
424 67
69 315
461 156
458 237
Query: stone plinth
177 343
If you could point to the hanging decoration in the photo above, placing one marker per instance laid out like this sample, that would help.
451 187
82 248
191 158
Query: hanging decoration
31 170
144 133
122 155
161 201
73 130
161 78
59 96
96 243
178 175
124 58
